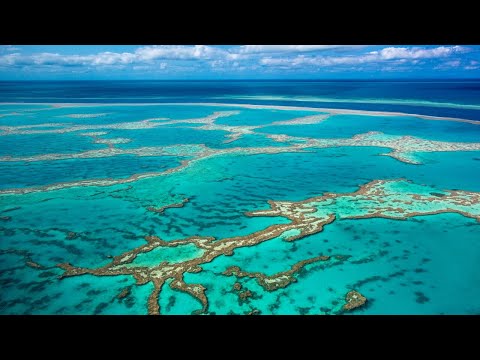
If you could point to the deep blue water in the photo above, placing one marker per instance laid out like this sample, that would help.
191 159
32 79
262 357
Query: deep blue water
460 91
445 91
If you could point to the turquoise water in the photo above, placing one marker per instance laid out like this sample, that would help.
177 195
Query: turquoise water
21 145
423 264
341 126
255 117
47 172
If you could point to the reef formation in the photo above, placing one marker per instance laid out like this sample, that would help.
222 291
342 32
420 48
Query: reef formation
393 199
397 199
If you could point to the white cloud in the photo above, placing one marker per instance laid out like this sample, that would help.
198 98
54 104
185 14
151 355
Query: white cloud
448 65
217 63
474 65
10 59
150 67
177 52
109 58
314 61
9 48
417 53
255 49
266 58
402 55
141 55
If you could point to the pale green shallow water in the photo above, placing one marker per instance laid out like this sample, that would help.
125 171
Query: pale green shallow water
423 265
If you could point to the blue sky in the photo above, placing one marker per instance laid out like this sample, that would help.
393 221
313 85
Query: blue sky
171 62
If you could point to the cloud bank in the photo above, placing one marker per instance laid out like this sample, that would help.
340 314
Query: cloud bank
246 58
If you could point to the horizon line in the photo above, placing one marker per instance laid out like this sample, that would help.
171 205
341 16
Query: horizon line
254 80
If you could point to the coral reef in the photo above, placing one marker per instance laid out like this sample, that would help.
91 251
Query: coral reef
160 210
353 300
237 286
395 199
124 293
134 125
278 280
402 148
85 116
244 295
26 255
71 235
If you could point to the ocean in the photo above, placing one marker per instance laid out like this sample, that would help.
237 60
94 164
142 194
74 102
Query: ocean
240 197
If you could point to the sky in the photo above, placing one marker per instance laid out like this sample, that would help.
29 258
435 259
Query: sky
217 62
